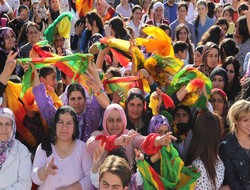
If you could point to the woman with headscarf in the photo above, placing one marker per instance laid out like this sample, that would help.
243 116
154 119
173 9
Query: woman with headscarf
15 162
158 12
115 135
210 58
182 129
219 78
7 43
89 110
61 161
218 100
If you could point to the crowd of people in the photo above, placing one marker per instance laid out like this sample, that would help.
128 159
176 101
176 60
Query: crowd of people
67 133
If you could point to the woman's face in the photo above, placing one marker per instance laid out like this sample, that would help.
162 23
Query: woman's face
5 129
146 4
202 10
137 14
54 5
197 58
224 28
230 73
50 80
182 13
217 103
114 123
33 34
135 109
127 73
158 13
227 16
65 127
243 125
162 130
77 101
87 24
183 35
181 116
213 58
9 41
218 82
219 12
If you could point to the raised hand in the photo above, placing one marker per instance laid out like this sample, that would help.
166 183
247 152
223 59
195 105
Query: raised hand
10 63
125 139
98 153
164 140
51 168
138 155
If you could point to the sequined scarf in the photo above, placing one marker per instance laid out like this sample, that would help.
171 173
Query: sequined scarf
5 147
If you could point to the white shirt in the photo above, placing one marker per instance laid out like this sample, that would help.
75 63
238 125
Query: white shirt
16 170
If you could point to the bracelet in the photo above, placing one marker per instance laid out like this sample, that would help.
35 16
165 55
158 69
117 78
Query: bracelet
98 93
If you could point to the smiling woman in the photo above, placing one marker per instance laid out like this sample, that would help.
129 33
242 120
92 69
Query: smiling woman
15 162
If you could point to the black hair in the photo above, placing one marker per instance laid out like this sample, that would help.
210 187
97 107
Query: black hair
242 28
182 4
211 8
228 47
242 7
222 21
45 71
51 137
180 46
75 87
117 25
165 27
197 19
230 10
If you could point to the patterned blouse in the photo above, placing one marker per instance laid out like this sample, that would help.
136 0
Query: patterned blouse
204 182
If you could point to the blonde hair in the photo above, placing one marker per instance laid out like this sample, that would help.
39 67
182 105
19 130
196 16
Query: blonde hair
237 112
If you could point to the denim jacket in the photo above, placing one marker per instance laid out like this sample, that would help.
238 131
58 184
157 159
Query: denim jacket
237 164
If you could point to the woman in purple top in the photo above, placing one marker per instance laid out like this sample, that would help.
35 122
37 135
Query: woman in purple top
89 110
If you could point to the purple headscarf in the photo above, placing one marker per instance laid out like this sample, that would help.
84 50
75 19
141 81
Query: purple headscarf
156 122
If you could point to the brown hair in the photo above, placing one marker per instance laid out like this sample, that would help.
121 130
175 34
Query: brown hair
117 166
205 142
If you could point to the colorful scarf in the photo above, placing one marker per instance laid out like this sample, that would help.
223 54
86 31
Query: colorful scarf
173 175
73 65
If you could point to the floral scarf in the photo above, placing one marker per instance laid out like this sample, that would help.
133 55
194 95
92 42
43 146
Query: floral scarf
6 146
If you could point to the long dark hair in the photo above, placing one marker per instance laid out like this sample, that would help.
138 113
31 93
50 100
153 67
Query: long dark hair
75 87
93 16
213 34
197 19
205 142
188 41
235 87
242 28
117 25
51 137
228 47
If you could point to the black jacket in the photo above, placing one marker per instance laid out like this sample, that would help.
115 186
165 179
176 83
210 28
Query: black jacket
237 164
